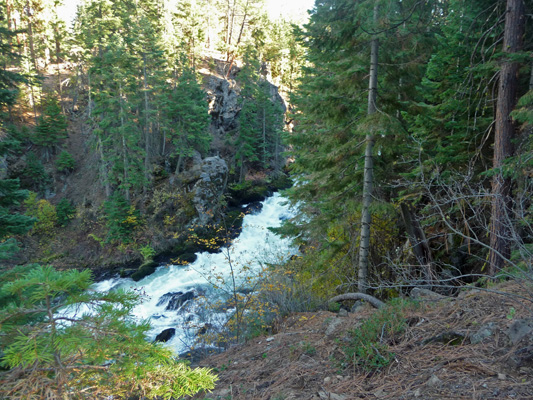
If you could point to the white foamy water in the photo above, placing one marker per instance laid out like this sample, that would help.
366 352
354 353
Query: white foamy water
253 249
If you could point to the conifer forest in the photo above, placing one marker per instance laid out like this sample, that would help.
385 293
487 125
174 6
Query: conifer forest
137 135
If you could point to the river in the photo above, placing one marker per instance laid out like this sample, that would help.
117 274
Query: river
182 297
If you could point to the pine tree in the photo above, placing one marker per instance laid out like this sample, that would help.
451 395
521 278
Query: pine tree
187 116
248 138
11 222
52 125
500 246
61 339
332 119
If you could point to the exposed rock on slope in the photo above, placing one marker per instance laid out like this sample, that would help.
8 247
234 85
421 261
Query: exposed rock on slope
208 190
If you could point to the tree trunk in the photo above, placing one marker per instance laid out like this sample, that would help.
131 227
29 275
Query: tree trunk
30 36
504 131
418 241
103 168
124 148
147 130
9 40
264 137
240 36
366 217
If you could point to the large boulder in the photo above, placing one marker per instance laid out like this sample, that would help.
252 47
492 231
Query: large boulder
145 269
175 300
209 188
165 335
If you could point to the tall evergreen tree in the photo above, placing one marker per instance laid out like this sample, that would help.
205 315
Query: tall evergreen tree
500 249
186 113
248 138
11 222
52 124
332 116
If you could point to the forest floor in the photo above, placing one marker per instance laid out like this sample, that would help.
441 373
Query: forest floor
305 359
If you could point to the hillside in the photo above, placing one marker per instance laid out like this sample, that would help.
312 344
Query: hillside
477 345
165 210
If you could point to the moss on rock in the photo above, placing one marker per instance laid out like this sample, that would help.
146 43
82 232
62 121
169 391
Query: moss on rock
145 269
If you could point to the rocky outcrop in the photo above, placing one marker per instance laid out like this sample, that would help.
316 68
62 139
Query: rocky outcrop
209 189
223 104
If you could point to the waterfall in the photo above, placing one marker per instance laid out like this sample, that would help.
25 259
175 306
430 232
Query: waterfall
175 296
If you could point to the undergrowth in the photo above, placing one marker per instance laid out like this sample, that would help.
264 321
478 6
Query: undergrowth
369 344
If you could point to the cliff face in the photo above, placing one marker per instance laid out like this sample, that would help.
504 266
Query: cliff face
175 201
224 105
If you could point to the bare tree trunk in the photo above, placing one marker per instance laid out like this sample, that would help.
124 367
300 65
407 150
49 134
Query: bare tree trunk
264 137
504 133
124 148
103 168
240 36
230 25
366 217
531 76
89 83
418 241
147 130
8 16
30 36
277 166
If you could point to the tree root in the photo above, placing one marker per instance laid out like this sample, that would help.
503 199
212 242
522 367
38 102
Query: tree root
358 296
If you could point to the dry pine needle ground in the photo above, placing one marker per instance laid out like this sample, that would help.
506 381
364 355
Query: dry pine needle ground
305 359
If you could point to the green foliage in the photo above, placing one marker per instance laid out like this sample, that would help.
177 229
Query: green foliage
35 177
44 212
308 348
368 348
122 218
60 338
187 112
147 252
10 196
65 211
247 141
330 110
52 125
65 162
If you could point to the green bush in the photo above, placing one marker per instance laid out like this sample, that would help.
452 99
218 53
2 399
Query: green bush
44 211
65 162
122 218
34 176
147 252
65 211
368 347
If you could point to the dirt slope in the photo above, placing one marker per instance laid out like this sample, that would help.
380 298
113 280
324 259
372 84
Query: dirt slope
305 359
